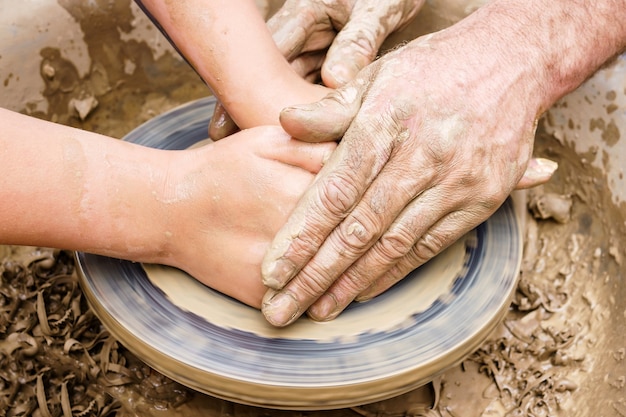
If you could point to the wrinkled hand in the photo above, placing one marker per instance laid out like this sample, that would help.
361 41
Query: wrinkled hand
436 134
340 37
348 32
231 198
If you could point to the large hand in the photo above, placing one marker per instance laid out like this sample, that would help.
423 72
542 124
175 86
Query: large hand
436 134
348 32
340 37
228 200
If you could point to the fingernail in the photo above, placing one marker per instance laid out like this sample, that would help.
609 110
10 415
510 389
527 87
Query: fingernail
281 309
545 166
326 308
276 273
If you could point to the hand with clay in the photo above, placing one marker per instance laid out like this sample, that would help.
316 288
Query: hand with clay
185 209
340 37
435 135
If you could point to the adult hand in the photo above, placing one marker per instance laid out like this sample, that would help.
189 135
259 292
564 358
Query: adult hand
340 37
435 135
232 197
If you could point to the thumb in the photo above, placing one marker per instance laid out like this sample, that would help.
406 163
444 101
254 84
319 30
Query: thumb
539 171
327 119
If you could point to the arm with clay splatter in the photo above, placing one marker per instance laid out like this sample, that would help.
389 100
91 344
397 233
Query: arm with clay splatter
229 45
73 189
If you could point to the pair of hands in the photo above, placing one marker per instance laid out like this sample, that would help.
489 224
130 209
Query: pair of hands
434 137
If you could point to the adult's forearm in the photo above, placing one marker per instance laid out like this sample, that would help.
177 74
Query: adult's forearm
72 189
559 42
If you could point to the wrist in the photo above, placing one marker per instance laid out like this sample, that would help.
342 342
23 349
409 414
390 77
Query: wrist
120 212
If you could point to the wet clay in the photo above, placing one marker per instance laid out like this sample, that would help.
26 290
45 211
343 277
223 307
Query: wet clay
375 350
435 282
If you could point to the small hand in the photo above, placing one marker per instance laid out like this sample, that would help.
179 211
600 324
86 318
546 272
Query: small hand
227 201
432 145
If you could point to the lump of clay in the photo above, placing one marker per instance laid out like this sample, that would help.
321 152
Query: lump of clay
546 205
84 106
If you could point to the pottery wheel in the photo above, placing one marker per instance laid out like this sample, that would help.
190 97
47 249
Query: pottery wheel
373 351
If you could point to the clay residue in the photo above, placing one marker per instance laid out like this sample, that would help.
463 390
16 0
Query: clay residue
433 282
560 349
125 76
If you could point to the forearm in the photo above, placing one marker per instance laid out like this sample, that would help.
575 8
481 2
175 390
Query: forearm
72 189
551 45
229 45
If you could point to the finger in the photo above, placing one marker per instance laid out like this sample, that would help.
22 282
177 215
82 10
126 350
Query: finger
329 118
296 29
358 42
353 48
221 124
278 145
447 231
327 251
420 219
539 171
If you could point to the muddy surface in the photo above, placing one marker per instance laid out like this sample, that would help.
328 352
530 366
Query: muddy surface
560 351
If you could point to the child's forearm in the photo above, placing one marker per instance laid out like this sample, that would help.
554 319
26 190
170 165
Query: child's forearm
72 189
229 45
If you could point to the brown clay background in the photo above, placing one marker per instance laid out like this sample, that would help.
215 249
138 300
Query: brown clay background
560 351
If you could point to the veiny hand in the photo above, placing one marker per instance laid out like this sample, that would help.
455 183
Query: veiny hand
228 200
339 37
436 134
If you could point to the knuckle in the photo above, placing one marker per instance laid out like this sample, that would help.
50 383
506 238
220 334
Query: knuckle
304 246
338 195
351 283
359 42
396 243
313 281
356 234
493 195
440 156
428 246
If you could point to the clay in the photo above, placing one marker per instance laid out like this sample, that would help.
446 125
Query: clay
192 296
549 205
558 345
